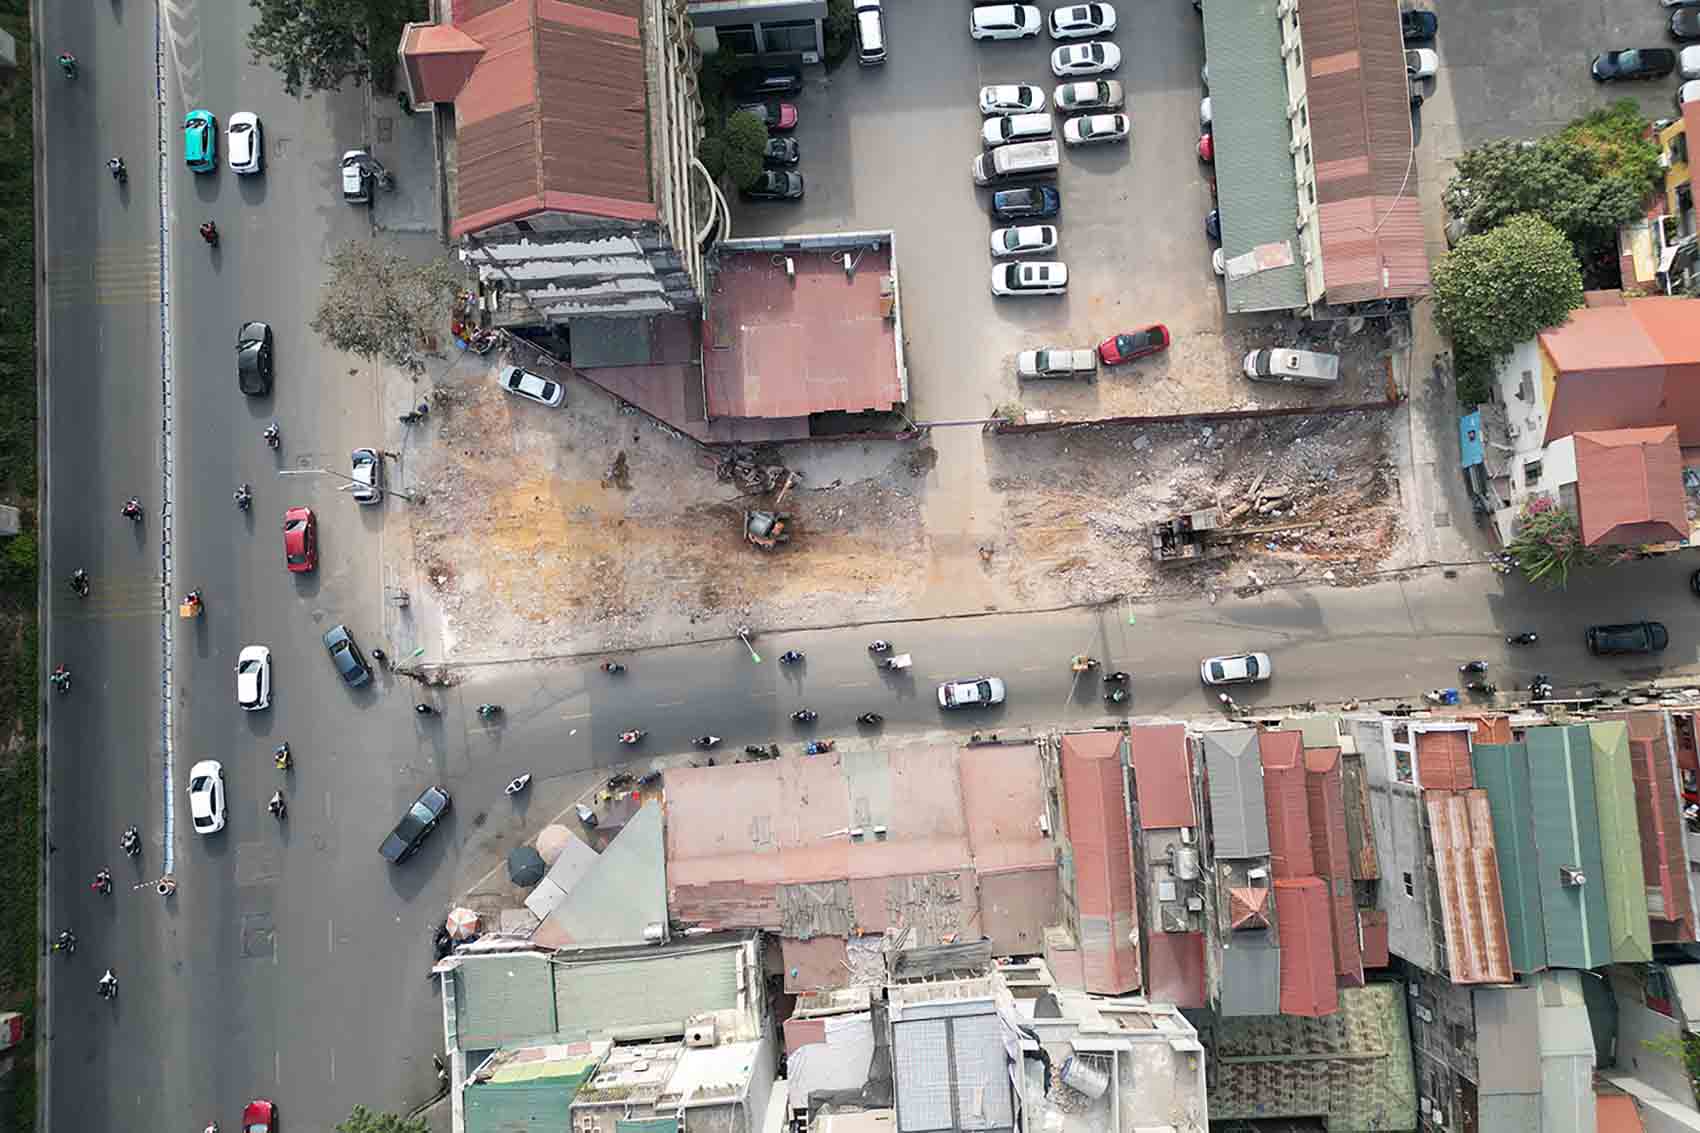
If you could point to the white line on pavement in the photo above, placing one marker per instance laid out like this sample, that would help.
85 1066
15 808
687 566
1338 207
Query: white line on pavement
670 704
330 936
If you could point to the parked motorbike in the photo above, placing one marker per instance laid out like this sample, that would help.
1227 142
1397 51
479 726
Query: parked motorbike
632 736
486 711
1116 695
805 716
879 646
790 657
1482 688
870 719
817 747
706 742
518 784
1473 667
1525 638
613 668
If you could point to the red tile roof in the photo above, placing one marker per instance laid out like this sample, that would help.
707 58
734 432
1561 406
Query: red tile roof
1174 968
1443 760
1307 949
1361 142
1282 755
1628 364
1099 833
788 347
1466 872
1327 810
1162 775
437 60
1629 487
1248 908
553 117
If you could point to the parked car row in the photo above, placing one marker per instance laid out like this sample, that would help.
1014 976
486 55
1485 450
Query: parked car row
780 180
243 138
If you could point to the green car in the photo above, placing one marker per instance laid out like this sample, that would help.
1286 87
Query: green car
200 141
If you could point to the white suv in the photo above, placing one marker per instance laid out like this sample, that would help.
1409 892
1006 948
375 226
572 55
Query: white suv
1005 21
1030 277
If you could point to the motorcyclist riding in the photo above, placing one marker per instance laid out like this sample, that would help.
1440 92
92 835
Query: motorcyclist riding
805 716
279 809
108 985
424 709
613 667
1473 667
1117 677
67 941
60 678
632 736
132 508
272 436
1116 695
209 232
790 657
1525 638
281 756
68 64
116 166
102 882
870 719
706 741
489 710
879 646
80 583
243 496
131 841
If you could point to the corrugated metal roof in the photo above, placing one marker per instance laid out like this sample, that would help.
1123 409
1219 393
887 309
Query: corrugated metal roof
1251 976
1503 771
950 1072
1626 366
500 1000
1353 1068
530 1091
1098 831
1491 728
1664 861
1361 139
1466 873
1629 487
1620 844
1307 947
1284 802
623 893
1443 760
1162 775
1328 848
1239 825
1567 835
554 115
609 998
1360 819
1256 188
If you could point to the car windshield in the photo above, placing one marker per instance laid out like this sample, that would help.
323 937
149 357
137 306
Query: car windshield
250 666
1251 666
200 783
1217 671
339 647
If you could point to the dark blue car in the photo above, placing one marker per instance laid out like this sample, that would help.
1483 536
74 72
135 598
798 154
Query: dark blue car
1033 203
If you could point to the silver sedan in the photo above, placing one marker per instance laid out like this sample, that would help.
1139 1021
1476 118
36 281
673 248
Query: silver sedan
1024 240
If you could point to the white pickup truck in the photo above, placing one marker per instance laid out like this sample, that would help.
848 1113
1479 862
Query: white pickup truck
1057 362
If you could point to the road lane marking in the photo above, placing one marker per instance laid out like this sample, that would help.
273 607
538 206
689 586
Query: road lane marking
277 1069
330 936
578 716
858 684
670 704
327 804
333 1063
1034 668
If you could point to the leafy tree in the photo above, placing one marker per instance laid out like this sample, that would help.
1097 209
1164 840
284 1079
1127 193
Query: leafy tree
717 76
318 44
1548 544
381 305
1494 291
363 1120
1622 143
1566 181
736 150
840 30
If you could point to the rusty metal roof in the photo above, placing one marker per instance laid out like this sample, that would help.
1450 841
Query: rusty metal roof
1101 838
1443 760
1307 947
1664 862
1162 775
1466 875
1285 803
1362 147
1629 487
554 115
1332 855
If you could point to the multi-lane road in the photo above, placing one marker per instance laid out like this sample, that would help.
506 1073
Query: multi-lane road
289 963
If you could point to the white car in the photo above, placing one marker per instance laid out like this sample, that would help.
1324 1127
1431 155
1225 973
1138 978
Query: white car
368 476
1011 98
1204 116
1688 92
1093 58
1238 669
254 677
971 692
1089 94
1090 128
1030 277
1421 62
206 796
1005 21
245 142
530 385
1057 362
1688 61
1024 240
1078 21
1002 129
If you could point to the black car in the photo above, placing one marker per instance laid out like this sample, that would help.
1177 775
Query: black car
254 359
346 656
769 80
773 185
782 151
416 825
1033 203
1418 26
1213 224
1629 637
1633 63
1685 24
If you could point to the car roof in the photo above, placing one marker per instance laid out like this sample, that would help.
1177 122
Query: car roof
205 767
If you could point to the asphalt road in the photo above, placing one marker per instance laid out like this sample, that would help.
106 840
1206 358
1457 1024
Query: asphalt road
290 962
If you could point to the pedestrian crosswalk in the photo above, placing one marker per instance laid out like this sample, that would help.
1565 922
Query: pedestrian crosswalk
117 275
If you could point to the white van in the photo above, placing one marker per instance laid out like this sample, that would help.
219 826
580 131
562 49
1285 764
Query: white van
1015 161
1005 128
870 33
1299 367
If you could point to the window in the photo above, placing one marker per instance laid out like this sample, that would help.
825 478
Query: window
1307 154
1410 886
1531 471
1310 187
524 226
739 39
1304 117
793 35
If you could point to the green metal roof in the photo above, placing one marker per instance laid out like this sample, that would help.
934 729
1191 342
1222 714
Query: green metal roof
525 1096
1567 834
1255 185
503 1000
606 998
1502 770
1620 844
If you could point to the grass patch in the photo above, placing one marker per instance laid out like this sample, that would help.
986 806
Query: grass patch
19 689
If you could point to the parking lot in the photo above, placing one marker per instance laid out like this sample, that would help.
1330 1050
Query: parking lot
890 147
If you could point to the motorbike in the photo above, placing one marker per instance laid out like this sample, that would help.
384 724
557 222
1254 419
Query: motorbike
243 496
102 883
281 757
108 986
1540 687
1117 678
209 233
805 716
1081 663
424 709
67 942
79 583
273 437
1482 688
68 64
1116 695
1441 696
131 842
1524 638
441 942
115 165
415 415
790 657
60 679
706 742
613 668
132 509
870 719
518 784
632 736
486 711
880 646
817 747
1473 667
755 751
278 807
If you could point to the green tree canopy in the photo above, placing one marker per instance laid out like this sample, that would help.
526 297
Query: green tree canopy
1496 290
1622 143
1567 181
363 1120
381 305
316 45
736 151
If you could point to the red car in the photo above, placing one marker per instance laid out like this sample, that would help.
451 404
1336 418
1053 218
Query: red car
1137 344
1207 147
300 540
260 1116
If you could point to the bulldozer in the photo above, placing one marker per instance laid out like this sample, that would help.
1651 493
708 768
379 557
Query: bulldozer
766 529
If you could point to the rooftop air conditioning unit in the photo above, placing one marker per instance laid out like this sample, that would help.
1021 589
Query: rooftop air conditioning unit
1570 875
700 1032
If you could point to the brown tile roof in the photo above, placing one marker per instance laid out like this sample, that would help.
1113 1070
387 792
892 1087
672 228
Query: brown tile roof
553 117
1362 147
1101 839
437 60
1162 775
1329 847
1443 760
1284 803
1629 487
1466 872
1624 365
1307 949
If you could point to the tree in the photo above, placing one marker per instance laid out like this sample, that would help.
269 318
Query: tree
1622 145
1494 291
363 1120
839 31
318 44
1566 181
382 305
736 151
1548 544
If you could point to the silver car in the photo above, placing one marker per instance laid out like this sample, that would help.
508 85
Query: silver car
1089 94
1024 240
368 476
